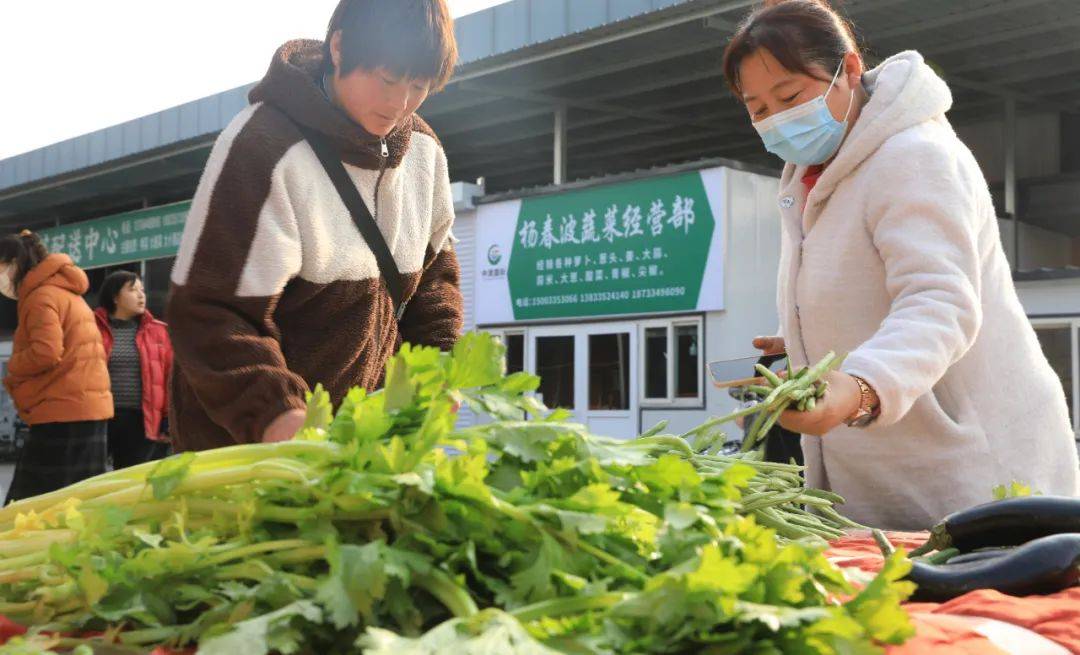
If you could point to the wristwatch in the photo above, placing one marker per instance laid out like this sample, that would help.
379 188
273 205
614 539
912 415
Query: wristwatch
868 406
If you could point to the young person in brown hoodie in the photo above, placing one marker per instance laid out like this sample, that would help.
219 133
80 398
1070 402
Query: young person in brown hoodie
57 374
274 288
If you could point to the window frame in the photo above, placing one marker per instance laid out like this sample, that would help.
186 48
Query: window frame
501 335
1073 325
524 347
672 400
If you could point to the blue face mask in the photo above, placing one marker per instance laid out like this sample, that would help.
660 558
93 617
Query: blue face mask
808 134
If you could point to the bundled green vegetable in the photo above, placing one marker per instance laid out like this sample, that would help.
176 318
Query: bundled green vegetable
383 528
799 390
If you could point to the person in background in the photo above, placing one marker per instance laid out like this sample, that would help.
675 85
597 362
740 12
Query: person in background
140 362
891 254
57 374
275 289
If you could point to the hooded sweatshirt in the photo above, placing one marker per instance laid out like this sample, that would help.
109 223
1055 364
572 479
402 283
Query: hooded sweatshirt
274 289
58 371
894 257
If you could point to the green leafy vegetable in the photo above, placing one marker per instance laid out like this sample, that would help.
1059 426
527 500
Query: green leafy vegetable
384 526
1013 490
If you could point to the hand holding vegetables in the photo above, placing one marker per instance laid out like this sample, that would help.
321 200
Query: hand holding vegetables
839 403
770 345
285 426
811 401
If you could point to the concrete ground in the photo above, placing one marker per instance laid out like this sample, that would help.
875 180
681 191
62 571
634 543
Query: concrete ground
7 469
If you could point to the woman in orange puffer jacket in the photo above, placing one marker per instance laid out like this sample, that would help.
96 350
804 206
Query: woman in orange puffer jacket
57 374
140 360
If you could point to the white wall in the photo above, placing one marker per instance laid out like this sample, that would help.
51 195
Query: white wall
751 261
465 248
1038 145
1050 297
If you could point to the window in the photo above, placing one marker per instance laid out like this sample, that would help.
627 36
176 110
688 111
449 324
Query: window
687 367
672 362
609 371
155 274
656 358
1058 345
555 366
515 352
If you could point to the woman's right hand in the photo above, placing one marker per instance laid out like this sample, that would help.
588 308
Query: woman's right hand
770 345
285 426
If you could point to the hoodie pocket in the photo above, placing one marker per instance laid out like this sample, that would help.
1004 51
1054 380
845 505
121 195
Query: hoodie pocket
958 415
943 403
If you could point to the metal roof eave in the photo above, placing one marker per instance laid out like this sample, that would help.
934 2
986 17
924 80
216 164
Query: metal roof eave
498 38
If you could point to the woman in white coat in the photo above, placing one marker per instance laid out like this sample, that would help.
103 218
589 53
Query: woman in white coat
891 253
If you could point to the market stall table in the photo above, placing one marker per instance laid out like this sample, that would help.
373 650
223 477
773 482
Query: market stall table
980 623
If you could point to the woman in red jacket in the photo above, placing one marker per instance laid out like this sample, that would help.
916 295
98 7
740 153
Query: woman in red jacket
140 361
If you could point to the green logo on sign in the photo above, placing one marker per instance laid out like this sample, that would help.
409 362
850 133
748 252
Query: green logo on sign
632 248
494 255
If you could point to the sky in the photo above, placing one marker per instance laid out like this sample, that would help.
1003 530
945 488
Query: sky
76 66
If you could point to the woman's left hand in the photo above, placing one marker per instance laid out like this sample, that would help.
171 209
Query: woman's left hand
841 401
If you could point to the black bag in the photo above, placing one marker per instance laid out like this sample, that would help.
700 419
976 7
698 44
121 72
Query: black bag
781 445
365 222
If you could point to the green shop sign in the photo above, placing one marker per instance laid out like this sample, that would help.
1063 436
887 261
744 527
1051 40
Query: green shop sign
144 234
631 248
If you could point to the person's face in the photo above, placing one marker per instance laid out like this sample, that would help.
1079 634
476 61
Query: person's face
378 100
7 280
768 88
131 301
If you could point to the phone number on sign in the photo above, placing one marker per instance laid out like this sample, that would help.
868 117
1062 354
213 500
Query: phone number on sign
662 292
605 296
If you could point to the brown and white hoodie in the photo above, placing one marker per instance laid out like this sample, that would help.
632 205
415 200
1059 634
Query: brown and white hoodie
274 289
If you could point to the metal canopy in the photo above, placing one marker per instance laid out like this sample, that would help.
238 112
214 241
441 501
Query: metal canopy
653 94
636 83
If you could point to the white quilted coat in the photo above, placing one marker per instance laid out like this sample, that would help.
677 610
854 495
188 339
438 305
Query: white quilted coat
895 258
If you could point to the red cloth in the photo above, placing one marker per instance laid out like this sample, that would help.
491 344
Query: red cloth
1055 617
9 629
156 358
810 179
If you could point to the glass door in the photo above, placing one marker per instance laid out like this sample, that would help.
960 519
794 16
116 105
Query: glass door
553 357
589 370
611 368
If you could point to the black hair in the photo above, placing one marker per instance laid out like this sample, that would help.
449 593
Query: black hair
25 250
799 33
111 288
409 38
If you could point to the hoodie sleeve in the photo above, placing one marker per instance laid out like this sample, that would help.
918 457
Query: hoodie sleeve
434 315
241 246
922 219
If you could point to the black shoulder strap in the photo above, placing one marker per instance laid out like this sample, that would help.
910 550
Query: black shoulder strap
365 222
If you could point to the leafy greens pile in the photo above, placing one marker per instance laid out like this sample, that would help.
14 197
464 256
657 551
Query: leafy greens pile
385 529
